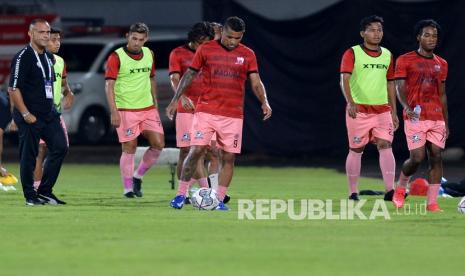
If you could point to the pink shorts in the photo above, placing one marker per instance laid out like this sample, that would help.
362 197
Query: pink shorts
366 127
417 133
63 125
183 130
228 131
133 123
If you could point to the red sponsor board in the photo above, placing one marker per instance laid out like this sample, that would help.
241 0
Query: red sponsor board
13 36
14 28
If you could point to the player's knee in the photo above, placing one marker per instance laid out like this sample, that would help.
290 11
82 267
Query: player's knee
417 158
228 157
197 151
435 158
129 148
158 146
357 150
183 152
381 144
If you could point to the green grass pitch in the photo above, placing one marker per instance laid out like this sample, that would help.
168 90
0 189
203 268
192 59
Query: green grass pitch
101 233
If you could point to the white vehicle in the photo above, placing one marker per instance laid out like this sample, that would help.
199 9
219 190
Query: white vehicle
85 59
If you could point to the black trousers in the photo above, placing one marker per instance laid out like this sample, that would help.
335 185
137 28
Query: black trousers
29 135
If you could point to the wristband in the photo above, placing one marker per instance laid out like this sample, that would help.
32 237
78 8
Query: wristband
25 114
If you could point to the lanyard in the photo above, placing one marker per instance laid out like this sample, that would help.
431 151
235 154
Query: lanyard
41 66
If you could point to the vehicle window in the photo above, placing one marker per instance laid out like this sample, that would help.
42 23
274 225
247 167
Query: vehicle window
101 68
78 57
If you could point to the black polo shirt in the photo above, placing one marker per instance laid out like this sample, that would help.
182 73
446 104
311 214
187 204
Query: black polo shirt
27 76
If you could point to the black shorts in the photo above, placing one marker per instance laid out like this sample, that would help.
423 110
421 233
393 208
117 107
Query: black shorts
5 113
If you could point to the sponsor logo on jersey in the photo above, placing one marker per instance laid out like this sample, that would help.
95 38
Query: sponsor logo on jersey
239 60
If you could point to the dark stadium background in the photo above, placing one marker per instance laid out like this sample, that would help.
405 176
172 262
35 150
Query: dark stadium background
299 61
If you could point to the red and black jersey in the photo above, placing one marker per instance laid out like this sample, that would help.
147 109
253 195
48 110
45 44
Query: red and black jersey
180 60
423 77
224 74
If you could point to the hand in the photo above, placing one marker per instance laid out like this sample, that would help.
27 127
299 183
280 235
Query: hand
187 103
352 110
171 109
68 100
266 111
395 121
12 127
410 114
29 118
115 119
3 171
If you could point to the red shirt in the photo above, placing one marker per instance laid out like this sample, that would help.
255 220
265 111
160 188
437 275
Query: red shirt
112 66
180 60
224 74
347 66
65 73
423 77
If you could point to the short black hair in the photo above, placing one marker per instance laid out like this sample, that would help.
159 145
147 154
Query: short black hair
55 31
368 20
139 27
420 25
216 24
235 24
199 31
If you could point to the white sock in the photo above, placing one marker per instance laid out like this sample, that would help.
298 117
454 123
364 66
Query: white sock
213 181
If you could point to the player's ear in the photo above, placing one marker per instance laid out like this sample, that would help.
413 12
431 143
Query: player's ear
362 34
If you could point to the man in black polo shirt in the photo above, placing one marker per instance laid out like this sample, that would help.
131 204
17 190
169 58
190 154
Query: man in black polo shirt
31 92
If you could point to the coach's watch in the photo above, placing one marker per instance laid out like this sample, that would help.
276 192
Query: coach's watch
25 114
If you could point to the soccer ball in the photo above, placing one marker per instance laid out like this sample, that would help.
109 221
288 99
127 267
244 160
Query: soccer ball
205 199
461 206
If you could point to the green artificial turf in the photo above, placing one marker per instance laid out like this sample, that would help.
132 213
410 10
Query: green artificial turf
101 233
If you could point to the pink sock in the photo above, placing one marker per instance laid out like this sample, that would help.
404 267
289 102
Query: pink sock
221 192
432 194
126 165
353 166
148 160
387 163
36 185
184 187
203 182
403 179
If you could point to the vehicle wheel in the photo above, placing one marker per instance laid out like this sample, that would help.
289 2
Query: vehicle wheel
93 126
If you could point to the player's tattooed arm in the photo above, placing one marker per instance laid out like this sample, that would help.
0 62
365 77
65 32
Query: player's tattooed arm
186 80
259 90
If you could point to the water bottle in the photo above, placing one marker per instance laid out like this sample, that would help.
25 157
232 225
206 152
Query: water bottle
417 111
